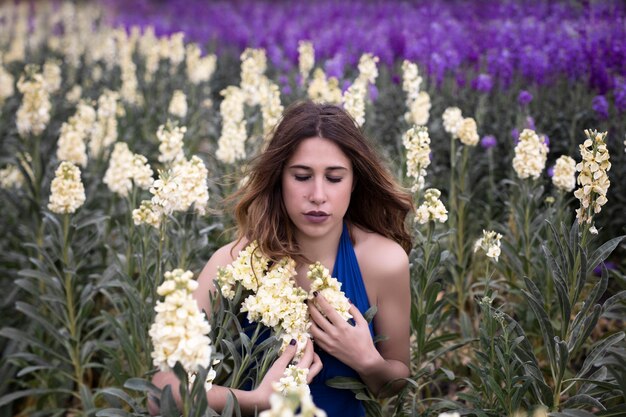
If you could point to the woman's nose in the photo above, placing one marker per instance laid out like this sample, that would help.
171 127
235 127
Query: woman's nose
318 192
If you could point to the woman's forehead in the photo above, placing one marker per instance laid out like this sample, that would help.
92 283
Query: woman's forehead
316 151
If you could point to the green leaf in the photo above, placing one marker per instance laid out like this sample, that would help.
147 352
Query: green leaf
603 252
113 412
572 413
35 392
142 385
617 411
342 382
584 400
168 404
598 353
370 313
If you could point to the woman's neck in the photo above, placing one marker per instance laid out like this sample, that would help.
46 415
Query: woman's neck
323 249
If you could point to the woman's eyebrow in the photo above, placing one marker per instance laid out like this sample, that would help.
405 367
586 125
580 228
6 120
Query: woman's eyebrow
330 168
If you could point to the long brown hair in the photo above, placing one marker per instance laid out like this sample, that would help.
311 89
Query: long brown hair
377 204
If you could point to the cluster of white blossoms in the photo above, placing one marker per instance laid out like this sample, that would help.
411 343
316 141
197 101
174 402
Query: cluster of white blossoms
149 49
531 154
417 144
468 132
295 403
253 66
72 144
11 177
67 192
199 69
33 114
172 48
279 304
323 90
180 330
171 142
271 106
418 102
248 269
490 243
452 120
432 209
129 91
232 141
74 94
306 59
6 84
178 104
293 378
564 177
104 132
355 96
593 177
127 168
329 288
52 76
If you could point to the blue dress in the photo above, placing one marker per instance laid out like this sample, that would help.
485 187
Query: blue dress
341 402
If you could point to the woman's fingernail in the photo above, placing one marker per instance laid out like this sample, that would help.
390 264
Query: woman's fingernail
315 293
293 342
350 301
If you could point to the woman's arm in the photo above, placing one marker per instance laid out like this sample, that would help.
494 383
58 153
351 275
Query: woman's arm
353 345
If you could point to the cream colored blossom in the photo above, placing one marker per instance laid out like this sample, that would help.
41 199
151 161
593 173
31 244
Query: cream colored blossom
67 193
129 91
52 76
292 379
452 120
171 142
148 213
6 84
489 243
593 177
468 132
564 177
74 94
193 190
411 81
74 134
125 169
306 59
231 143
417 144
271 107
354 102
178 104
33 114
248 269
11 177
174 50
199 69
148 48
322 90
180 330
104 132
531 154
253 66
419 109
329 288
432 209
289 404
368 70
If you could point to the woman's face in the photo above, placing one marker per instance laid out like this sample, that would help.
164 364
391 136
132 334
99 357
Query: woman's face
316 185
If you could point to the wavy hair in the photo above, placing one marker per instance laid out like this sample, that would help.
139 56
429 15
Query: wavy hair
377 203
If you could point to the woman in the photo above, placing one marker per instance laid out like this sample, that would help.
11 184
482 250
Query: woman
320 193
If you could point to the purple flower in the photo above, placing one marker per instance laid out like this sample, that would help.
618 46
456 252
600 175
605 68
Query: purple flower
530 123
601 107
546 140
524 98
373 92
620 95
286 90
515 135
550 171
483 83
611 266
488 142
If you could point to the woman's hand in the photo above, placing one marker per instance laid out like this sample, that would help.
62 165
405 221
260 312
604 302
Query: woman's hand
351 344
310 360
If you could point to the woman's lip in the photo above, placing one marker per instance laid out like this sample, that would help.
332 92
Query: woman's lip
316 218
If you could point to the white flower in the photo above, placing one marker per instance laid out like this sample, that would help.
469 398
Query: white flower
271 107
11 177
411 81
468 132
33 114
52 76
6 84
253 66
292 379
74 94
126 168
306 59
490 243
178 104
452 120
531 154
354 102
419 109
231 144
417 144
171 138
368 71
199 69
564 177
74 135
67 193
180 330
432 209
287 405
104 132
455 414
329 288
322 90
593 178
148 214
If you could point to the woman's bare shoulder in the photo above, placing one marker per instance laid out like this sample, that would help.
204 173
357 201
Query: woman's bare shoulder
378 255
224 256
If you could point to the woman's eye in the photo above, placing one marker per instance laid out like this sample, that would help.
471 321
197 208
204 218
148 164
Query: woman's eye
301 177
334 179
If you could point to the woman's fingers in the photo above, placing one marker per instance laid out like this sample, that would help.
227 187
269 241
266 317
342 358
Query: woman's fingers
315 368
318 318
358 317
328 310
307 356
287 356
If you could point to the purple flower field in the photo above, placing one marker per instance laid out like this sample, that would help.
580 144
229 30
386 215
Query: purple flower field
494 40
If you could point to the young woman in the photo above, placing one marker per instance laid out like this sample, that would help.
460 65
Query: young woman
320 193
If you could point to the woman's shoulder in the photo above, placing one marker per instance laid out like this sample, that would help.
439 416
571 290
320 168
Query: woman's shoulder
378 255
227 253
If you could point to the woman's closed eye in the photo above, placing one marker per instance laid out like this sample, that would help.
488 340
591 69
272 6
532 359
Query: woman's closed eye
307 177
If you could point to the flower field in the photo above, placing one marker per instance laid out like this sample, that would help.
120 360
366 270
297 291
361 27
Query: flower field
124 126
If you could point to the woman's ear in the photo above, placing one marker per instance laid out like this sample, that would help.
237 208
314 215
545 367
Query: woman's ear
353 185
